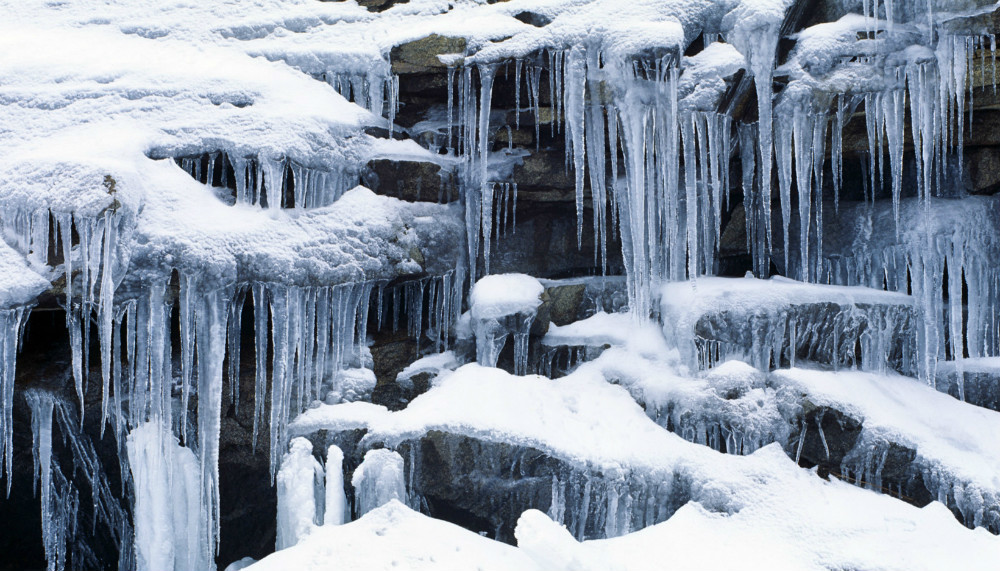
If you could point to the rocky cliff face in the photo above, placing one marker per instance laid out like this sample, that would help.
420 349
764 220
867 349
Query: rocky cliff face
185 246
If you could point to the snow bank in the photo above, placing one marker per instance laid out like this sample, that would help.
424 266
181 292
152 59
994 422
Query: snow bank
760 500
396 537
954 441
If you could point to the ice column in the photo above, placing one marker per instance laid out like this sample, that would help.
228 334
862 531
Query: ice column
379 479
337 511
169 527
300 482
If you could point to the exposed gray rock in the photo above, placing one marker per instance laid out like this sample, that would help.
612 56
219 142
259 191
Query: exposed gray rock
415 181
421 56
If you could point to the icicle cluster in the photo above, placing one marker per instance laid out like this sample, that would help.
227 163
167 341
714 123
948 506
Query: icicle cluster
670 209
91 264
11 323
271 182
60 495
376 91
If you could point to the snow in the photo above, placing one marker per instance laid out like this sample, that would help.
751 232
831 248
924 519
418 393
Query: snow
335 417
857 533
988 365
501 295
953 440
396 537
702 82
19 284
360 237
435 364
767 321
352 385
747 294
616 329
761 500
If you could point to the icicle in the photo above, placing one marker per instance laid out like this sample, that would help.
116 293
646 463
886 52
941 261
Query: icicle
168 505
783 150
802 133
337 511
210 322
10 332
451 106
260 308
234 345
486 75
187 331
576 83
53 526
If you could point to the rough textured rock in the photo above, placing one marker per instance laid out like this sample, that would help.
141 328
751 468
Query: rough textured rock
982 170
561 304
414 181
421 56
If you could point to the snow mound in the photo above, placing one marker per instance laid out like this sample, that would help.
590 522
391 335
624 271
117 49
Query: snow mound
395 537
501 295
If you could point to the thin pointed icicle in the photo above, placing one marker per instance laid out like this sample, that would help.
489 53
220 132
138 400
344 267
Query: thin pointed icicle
486 75
10 330
106 312
756 244
760 44
210 320
260 311
187 290
803 139
894 125
691 194
451 106
233 340
783 151
836 150
596 154
575 94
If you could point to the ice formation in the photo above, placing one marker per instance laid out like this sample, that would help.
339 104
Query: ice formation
777 321
337 510
379 480
501 306
193 162
169 530
300 483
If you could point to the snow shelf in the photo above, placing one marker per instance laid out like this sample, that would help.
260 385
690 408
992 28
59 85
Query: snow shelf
360 237
955 446
19 284
773 321
394 536
596 427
